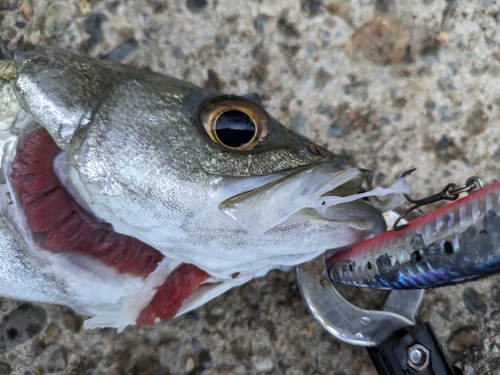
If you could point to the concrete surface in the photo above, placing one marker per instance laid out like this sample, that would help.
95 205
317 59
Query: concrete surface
436 107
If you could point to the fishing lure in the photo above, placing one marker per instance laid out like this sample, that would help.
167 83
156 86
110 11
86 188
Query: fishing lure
456 243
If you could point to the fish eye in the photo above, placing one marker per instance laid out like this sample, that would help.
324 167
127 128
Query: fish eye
234 128
234 122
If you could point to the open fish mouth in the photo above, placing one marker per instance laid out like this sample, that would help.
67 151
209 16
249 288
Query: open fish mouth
58 221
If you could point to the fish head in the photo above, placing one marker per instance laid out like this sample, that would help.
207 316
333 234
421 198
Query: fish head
207 179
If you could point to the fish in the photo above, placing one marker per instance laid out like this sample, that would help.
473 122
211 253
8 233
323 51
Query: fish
135 197
456 243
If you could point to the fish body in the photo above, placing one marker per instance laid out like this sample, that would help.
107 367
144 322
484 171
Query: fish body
456 243
141 185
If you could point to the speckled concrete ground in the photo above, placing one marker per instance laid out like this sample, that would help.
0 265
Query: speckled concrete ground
437 108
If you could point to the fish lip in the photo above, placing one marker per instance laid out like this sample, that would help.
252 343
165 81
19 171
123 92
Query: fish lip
270 204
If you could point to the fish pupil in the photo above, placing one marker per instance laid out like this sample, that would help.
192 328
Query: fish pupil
235 128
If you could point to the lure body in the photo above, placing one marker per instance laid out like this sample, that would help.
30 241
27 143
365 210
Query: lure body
456 243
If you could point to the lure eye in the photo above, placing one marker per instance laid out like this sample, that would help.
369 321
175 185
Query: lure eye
235 123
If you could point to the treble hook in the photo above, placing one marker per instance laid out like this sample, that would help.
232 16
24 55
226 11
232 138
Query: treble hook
450 192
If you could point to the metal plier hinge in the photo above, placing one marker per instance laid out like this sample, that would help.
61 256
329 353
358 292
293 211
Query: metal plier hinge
397 342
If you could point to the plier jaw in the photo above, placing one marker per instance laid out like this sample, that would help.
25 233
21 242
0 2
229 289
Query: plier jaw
397 342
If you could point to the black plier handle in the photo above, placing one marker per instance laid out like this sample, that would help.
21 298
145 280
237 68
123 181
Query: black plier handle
414 350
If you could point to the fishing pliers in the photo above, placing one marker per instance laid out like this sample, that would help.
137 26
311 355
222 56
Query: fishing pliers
397 341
